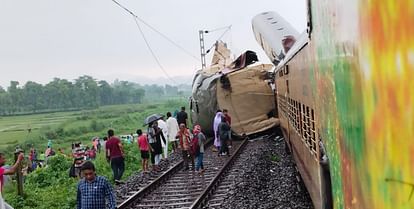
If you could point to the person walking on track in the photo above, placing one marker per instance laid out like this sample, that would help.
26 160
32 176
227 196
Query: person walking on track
200 147
172 126
182 117
217 121
163 126
144 147
115 154
223 131
156 135
184 137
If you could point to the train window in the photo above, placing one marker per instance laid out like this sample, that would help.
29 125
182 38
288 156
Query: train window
287 86
314 142
303 123
280 73
309 23
308 141
286 70
300 118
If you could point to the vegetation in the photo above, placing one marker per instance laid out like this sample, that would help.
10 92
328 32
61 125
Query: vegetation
83 93
51 187
275 158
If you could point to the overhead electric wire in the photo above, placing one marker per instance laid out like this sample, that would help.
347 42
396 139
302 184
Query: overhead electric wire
157 31
152 52
217 29
146 42
224 33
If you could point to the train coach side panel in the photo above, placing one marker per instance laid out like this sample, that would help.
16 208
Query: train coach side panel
363 58
294 80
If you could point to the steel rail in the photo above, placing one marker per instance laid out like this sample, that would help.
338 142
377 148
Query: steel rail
203 198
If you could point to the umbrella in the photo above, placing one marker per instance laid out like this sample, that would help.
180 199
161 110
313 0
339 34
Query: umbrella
152 118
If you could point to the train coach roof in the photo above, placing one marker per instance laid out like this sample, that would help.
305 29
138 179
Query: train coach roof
300 43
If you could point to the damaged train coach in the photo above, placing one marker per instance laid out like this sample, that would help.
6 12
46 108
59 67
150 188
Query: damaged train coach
241 86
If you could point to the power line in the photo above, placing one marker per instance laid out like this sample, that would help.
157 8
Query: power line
217 29
152 52
146 42
157 31
224 33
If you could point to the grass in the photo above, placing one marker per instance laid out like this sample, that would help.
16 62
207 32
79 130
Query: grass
39 185
274 158
76 125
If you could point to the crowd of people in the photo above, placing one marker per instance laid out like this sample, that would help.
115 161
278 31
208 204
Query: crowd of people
159 134
96 191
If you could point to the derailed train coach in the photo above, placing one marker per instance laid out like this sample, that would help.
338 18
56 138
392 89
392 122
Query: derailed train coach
241 86
345 98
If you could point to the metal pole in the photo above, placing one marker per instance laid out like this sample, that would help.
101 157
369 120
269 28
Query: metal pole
202 49
19 174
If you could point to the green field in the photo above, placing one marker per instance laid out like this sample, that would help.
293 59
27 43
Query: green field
14 130
51 187
63 128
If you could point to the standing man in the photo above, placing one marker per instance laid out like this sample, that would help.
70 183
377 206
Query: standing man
182 117
156 135
9 171
115 154
94 192
163 126
223 131
228 120
173 128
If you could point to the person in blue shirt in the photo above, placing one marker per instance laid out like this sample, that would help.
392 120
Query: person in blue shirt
94 192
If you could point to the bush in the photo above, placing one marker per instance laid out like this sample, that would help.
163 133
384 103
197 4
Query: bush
96 126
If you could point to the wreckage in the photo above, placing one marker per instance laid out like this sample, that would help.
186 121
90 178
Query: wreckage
241 86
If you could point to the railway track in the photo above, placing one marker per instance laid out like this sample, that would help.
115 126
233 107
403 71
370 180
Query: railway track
177 188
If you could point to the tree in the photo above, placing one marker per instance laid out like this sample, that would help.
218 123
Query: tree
15 96
88 91
171 90
105 93
33 96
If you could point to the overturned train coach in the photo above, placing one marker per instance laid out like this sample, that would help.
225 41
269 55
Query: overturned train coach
241 86
345 98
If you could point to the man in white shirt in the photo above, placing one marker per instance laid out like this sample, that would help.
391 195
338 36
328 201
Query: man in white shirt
163 126
173 128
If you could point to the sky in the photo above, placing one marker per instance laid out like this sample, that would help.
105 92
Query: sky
44 39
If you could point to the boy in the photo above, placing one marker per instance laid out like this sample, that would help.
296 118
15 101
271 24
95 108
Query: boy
144 147
201 141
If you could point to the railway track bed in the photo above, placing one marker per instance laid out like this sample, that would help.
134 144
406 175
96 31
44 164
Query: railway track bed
228 182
